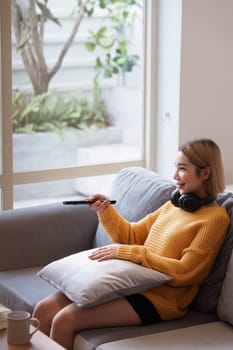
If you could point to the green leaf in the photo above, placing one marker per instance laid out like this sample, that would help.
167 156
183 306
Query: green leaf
122 47
90 46
98 63
125 14
47 13
107 73
100 33
102 4
22 40
115 70
89 11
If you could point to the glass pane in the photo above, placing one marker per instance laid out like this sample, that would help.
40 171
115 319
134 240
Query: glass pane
83 107
57 191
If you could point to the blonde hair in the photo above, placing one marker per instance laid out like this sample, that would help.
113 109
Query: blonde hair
204 153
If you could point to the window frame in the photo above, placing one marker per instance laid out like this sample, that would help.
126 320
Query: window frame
8 178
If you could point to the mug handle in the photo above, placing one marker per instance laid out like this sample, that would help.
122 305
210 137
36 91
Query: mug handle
36 323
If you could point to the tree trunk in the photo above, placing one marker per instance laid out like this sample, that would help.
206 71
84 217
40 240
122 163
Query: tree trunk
29 30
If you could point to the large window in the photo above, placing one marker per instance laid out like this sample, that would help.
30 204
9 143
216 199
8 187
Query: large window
74 110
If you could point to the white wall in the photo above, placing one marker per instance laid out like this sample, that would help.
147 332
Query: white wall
206 96
206 78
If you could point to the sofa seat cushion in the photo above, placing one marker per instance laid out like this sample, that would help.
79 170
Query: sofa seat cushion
215 335
22 289
91 339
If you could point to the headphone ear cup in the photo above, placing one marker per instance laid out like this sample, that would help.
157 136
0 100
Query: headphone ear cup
190 202
175 196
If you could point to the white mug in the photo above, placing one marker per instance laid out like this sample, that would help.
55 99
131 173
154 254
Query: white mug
18 327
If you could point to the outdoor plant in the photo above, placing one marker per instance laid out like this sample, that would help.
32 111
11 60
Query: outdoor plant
51 111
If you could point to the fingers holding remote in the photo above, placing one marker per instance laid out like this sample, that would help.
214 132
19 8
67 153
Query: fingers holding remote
100 202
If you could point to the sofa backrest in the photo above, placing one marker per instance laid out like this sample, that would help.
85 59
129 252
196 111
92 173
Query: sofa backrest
37 235
225 305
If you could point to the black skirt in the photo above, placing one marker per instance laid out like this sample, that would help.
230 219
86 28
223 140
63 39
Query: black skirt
144 308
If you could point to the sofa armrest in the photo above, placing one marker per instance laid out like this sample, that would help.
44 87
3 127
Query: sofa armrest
38 235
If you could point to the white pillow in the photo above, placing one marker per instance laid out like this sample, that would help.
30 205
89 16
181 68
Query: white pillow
88 282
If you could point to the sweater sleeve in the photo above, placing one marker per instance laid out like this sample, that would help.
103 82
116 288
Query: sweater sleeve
195 262
122 231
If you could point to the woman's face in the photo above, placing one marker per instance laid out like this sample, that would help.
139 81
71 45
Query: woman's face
187 179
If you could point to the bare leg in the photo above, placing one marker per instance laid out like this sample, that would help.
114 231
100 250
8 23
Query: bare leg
71 319
47 308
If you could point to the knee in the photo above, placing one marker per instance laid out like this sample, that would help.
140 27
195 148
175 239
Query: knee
49 306
41 308
41 312
60 325
63 324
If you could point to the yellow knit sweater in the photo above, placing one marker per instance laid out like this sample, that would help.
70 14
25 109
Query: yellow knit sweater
179 243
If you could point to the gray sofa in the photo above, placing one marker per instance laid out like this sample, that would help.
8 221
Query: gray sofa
32 237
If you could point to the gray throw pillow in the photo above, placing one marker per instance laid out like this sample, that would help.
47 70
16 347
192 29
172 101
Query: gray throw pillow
88 282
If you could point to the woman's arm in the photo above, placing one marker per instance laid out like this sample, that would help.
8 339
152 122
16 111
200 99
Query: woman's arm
196 260
119 229
122 231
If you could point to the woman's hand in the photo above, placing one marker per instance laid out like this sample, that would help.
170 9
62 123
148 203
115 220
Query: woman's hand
100 204
105 253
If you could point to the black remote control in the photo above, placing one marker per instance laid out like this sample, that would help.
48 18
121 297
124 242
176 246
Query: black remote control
85 202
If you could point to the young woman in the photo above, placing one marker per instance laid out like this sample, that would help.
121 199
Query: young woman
181 239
